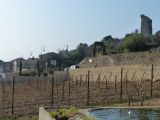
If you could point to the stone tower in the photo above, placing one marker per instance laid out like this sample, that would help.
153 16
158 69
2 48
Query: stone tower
146 26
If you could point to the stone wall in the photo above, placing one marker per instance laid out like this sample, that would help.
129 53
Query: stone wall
60 75
130 72
136 58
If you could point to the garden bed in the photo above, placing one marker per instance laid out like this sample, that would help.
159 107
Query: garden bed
62 114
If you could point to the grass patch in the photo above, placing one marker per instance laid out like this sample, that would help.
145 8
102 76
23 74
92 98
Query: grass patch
64 113
86 118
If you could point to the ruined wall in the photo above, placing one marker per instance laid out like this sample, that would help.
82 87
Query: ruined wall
136 58
146 26
46 58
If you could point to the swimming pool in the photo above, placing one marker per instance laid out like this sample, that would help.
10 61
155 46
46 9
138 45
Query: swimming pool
126 114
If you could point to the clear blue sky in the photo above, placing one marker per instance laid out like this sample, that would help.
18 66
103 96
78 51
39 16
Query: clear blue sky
27 25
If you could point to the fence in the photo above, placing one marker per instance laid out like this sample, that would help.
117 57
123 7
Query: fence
24 95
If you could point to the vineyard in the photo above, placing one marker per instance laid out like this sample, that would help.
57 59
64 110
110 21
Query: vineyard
24 95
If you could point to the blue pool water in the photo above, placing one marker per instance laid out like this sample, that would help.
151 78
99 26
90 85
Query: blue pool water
126 114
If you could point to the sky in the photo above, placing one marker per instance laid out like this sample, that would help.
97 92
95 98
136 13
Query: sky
27 26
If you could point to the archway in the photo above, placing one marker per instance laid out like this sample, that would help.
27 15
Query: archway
99 49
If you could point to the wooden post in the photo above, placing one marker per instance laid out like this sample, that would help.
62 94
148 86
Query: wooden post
40 82
80 79
52 89
45 83
126 86
37 82
126 81
151 89
13 82
121 84
69 92
106 95
129 100
30 83
98 80
76 82
115 84
142 99
63 85
142 79
106 84
86 78
57 89
88 87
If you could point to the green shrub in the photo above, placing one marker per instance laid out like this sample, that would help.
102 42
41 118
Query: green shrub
133 43
54 114
64 112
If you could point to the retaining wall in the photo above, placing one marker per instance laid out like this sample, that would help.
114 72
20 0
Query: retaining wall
134 58
130 72
44 115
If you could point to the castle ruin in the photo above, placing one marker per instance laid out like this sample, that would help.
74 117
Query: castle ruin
146 26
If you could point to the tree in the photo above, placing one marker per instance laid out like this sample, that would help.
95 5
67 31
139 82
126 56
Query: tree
73 57
111 44
157 38
83 50
133 42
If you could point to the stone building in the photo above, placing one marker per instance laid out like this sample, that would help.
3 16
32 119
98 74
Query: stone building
146 26
45 60
13 66
7 67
